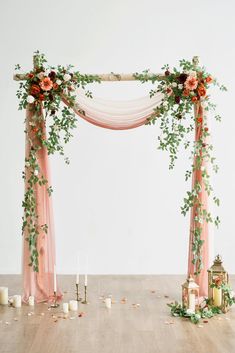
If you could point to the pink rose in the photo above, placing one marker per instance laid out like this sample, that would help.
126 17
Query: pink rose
191 83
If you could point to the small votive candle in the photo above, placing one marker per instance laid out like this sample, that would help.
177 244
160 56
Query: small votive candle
73 305
3 295
31 300
17 301
65 308
108 303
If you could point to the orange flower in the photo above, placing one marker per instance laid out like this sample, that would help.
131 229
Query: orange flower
46 84
199 120
209 79
35 130
194 99
185 92
201 90
55 85
35 89
30 75
41 97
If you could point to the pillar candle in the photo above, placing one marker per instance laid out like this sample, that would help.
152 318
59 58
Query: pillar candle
217 296
73 305
17 301
108 303
3 295
65 308
31 300
77 275
192 301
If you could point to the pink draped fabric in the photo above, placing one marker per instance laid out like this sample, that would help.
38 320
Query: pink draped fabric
109 115
40 284
202 278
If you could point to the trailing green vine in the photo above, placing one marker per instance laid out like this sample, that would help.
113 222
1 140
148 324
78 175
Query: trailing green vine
182 90
185 101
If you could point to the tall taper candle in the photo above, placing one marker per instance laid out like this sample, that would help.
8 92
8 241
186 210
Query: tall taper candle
77 275
85 280
55 286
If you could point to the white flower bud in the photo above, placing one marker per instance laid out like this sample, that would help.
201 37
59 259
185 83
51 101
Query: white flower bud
66 77
30 99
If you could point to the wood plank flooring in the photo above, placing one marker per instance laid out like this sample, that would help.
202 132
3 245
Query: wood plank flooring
147 328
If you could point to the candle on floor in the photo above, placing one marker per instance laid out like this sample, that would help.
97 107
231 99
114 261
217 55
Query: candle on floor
85 280
55 285
3 295
73 305
31 300
65 308
17 301
217 296
192 301
108 303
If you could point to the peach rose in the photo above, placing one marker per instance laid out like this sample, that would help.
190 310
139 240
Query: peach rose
209 79
185 92
191 83
46 84
35 89
201 90
55 85
194 99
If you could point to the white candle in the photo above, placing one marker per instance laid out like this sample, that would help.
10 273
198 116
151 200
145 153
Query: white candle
31 300
217 296
108 303
73 305
65 308
55 286
3 295
17 301
85 280
192 301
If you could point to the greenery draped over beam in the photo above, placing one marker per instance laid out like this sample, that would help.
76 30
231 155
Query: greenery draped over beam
182 88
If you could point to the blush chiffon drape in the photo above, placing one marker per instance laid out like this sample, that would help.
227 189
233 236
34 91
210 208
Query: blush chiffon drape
110 115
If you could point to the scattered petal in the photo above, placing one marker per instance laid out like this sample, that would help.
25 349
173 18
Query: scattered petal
166 296
153 291
42 314
81 314
227 318
158 296
16 319
29 314
55 320
113 301
72 317
169 322
123 301
7 323
205 321
200 326
54 317
136 305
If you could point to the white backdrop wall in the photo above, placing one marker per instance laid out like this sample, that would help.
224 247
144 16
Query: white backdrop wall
117 204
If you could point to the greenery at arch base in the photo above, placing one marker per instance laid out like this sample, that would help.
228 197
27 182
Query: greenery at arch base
182 88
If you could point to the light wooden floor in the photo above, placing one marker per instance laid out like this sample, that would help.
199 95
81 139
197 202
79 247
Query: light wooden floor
147 328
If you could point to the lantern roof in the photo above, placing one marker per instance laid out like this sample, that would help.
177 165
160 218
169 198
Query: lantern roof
217 265
190 283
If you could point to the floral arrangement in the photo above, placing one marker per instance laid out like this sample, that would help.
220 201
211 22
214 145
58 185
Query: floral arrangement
206 310
44 88
182 89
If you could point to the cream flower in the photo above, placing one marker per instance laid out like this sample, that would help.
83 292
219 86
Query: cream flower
36 172
66 77
30 99
40 75
58 81
180 86
174 84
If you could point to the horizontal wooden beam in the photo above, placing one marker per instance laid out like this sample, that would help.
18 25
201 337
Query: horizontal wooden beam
112 77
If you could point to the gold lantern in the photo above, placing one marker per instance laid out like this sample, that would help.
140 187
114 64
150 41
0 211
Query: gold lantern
190 294
217 277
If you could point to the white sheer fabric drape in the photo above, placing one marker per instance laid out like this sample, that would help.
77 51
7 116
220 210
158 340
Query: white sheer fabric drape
117 115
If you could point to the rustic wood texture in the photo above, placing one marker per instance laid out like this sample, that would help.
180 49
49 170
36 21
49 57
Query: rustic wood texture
103 77
148 328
